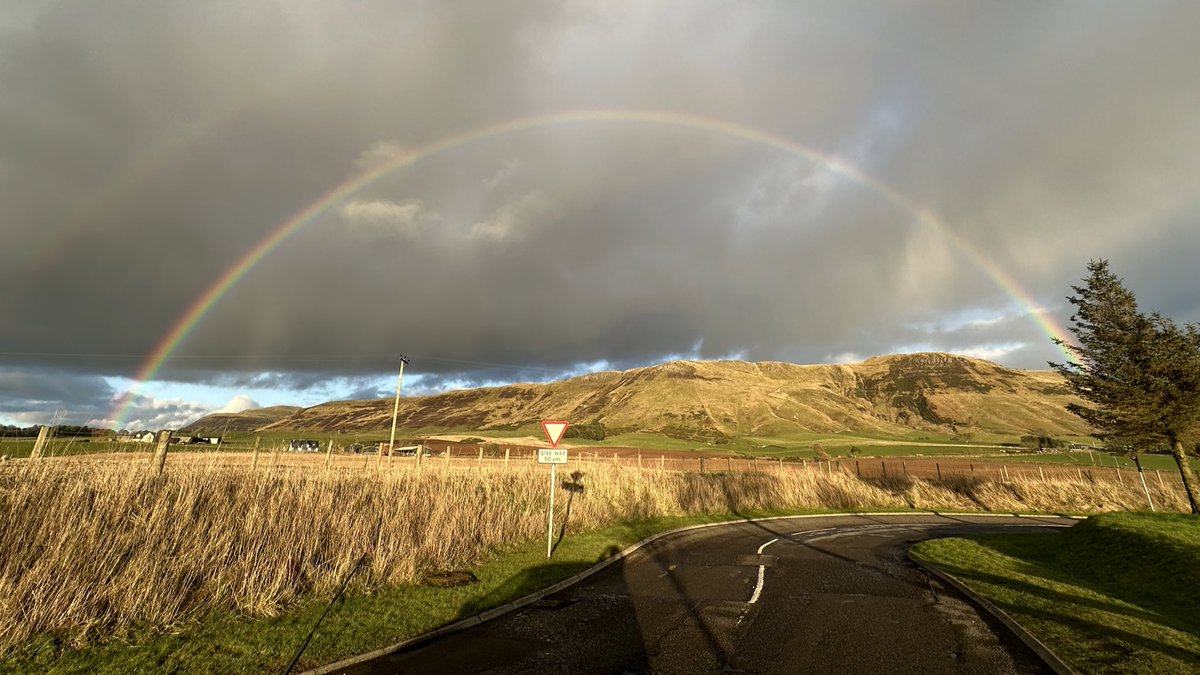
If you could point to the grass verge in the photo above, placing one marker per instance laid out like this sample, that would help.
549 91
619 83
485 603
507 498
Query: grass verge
1114 594
225 642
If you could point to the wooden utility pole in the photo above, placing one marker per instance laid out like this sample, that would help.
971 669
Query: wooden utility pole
395 412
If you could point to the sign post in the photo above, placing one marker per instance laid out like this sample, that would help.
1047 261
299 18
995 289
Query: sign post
552 456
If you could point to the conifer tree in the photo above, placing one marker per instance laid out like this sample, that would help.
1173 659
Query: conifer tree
1140 374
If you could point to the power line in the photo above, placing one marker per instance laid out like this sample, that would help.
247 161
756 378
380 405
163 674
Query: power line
297 358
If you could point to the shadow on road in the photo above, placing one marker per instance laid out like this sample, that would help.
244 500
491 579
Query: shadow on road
559 634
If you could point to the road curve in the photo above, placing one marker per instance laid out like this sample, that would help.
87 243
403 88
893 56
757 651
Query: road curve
833 594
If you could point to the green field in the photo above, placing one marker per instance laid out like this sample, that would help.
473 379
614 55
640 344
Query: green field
61 448
981 447
1102 459
1114 594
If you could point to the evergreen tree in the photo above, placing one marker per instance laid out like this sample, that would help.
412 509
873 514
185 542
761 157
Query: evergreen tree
1140 374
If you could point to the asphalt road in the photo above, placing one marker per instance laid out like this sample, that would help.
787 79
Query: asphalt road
816 595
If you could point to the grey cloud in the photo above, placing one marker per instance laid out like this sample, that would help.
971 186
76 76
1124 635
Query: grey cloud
145 149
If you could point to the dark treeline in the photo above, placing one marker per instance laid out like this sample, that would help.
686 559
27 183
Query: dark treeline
10 431
60 431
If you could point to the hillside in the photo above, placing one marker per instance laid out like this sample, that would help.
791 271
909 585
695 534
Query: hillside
220 423
710 401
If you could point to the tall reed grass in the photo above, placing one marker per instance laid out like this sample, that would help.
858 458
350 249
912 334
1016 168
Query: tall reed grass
94 549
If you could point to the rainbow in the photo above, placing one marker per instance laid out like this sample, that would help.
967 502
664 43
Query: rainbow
184 325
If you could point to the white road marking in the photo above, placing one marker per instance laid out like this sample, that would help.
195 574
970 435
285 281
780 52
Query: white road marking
758 587
762 570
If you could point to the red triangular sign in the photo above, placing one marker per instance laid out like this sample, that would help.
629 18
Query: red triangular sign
554 431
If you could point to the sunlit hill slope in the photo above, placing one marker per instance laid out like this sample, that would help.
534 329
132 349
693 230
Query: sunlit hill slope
892 395
220 423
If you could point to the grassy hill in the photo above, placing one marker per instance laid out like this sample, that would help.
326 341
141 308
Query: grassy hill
220 423
714 401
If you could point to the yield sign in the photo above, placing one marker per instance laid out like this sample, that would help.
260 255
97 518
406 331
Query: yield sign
554 431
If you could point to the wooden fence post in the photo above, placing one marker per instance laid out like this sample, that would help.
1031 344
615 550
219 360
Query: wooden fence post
506 458
328 454
160 452
39 446
939 469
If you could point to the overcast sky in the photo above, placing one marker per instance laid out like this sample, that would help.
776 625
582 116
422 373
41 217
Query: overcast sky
145 148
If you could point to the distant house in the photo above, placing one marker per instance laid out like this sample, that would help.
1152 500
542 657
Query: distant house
211 440
183 440
304 446
147 437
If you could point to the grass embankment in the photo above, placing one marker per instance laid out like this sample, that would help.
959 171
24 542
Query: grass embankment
95 554
228 642
1116 593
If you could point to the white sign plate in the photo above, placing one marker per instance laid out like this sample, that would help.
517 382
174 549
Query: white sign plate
552 456
554 431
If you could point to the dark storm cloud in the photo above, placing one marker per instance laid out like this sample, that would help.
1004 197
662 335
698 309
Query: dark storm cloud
35 395
145 148
22 389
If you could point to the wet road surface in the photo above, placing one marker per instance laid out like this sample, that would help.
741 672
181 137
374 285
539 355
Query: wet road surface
832 594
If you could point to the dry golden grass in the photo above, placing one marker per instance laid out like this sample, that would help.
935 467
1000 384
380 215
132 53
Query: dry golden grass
97 547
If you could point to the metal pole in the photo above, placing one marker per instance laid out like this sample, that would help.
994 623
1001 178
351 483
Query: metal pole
1145 489
396 411
550 517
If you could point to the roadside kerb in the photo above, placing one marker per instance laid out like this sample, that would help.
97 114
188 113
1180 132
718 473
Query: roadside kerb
521 602
1044 653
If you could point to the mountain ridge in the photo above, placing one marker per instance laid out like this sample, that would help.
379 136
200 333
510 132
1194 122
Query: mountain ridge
715 400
